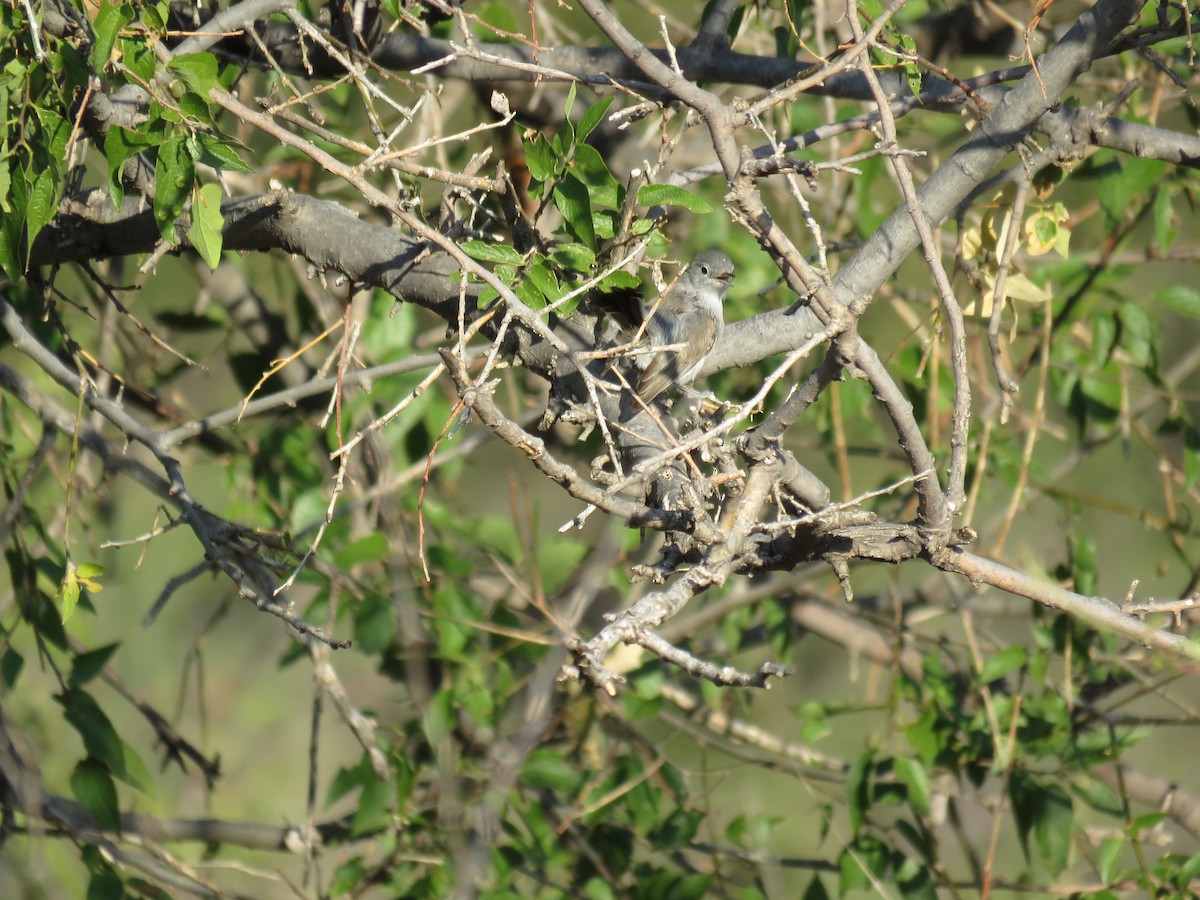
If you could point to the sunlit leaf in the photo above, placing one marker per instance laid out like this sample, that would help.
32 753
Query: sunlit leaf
198 71
206 233
571 196
174 175
669 195
1002 663
591 118
485 252
916 779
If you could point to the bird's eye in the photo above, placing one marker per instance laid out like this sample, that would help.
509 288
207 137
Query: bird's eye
704 270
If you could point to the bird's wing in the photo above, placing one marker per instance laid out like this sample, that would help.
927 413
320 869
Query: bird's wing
671 366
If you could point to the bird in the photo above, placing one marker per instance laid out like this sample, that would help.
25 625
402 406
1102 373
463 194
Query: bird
689 317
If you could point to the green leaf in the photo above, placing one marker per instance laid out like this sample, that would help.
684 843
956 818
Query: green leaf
575 257
669 195
1191 456
349 875
1045 230
546 768
138 57
596 888
198 71
604 223
543 279
815 730
74 65
858 789
1106 859
1098 795
1188 870
1104 337
500 16
557 562
496 253
154 15
1165 230
43 202
438 719
207 231
497 535
646 684
591 118
110 19
868 858
308 508
560 143
12 230
219 154
570 105
1181 298
571 197
925 738
11 664
119 145
530 295
57 131
1046 812
135 773
1002 663
5 180
1084 569
916 779
374 808
915 881
174 175
1023 795
101 740
1139 334
689 887
375 625
390 329
371 548
87 666
486 296
1121 183
107 885
93 787
659 245
90 571
1146 822
589 167
912 72
74 580
1054 828
68 594
539 158
197 110
347 779
1102 393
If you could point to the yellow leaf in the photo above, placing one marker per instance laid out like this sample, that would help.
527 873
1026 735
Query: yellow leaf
1018 287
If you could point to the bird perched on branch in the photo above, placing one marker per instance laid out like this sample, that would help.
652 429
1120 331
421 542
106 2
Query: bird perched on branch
687 323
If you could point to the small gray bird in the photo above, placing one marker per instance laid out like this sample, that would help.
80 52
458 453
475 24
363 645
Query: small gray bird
690 315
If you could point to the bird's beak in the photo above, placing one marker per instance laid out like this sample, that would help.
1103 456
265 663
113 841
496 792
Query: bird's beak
725 278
